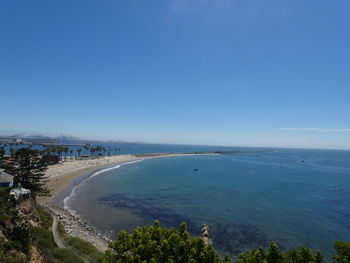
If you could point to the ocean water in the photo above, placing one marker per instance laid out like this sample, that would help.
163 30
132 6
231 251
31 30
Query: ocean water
294 197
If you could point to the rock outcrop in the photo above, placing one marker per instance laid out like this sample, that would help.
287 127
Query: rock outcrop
27 211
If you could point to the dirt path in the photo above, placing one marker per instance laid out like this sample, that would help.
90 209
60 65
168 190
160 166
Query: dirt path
62 244
56 235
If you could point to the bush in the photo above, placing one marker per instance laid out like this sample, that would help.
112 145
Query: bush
86 248
61 230
275 255
45 217
43 240
20 235
155 244
4 193
66 256
342 252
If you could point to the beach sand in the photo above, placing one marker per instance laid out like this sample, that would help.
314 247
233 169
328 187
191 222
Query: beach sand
61 175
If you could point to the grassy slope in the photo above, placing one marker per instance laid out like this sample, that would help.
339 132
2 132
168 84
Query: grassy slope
66 256
85 247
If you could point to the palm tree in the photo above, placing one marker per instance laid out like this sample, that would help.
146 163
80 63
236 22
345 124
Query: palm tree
12 152
79 151
86 148
65 150
48 150
2 152
92 150
59 151
98 149
53 149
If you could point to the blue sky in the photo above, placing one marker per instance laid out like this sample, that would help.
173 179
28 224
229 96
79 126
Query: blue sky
218 72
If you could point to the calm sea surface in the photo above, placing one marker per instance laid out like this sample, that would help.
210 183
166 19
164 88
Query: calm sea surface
293 197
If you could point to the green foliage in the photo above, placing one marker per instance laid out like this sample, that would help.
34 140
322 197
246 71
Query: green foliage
86 248
28 169
342 252
156 244
2 152
61 230
20 236
4 204
18 233
9 255
275 255
15 229
45 217
43 240
66 256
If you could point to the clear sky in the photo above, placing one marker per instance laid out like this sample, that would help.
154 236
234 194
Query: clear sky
218 72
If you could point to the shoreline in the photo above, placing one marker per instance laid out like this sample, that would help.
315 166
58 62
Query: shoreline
75 226
79 182
61 178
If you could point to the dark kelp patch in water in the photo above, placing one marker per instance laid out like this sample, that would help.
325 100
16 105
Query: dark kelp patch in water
235 238
229 238
145 207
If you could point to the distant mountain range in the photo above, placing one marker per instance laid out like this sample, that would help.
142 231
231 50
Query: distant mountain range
18 137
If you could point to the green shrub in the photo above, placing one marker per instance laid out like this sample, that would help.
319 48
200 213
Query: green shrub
20 236
342 252
61 230
156 244
275 255
45 217
4 193
43 240
66 256
86 248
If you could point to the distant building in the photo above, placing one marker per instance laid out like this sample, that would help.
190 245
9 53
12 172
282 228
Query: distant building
6 180
51 159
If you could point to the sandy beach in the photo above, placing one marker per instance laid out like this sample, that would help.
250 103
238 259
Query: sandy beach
61 175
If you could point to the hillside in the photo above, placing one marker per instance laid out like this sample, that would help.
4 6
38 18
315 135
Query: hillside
26 236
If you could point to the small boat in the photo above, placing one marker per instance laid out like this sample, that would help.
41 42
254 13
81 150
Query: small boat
195 169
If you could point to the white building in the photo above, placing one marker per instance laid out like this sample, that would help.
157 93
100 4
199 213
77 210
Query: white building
6 180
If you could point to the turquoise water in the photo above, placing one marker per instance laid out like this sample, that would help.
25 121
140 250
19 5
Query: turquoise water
293 197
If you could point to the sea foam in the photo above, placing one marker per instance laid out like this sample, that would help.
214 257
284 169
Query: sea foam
72 194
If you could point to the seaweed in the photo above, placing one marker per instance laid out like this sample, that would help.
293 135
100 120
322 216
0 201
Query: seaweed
144 207
231 238
235 238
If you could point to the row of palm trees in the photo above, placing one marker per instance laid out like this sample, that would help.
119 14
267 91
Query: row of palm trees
63 151
88 150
